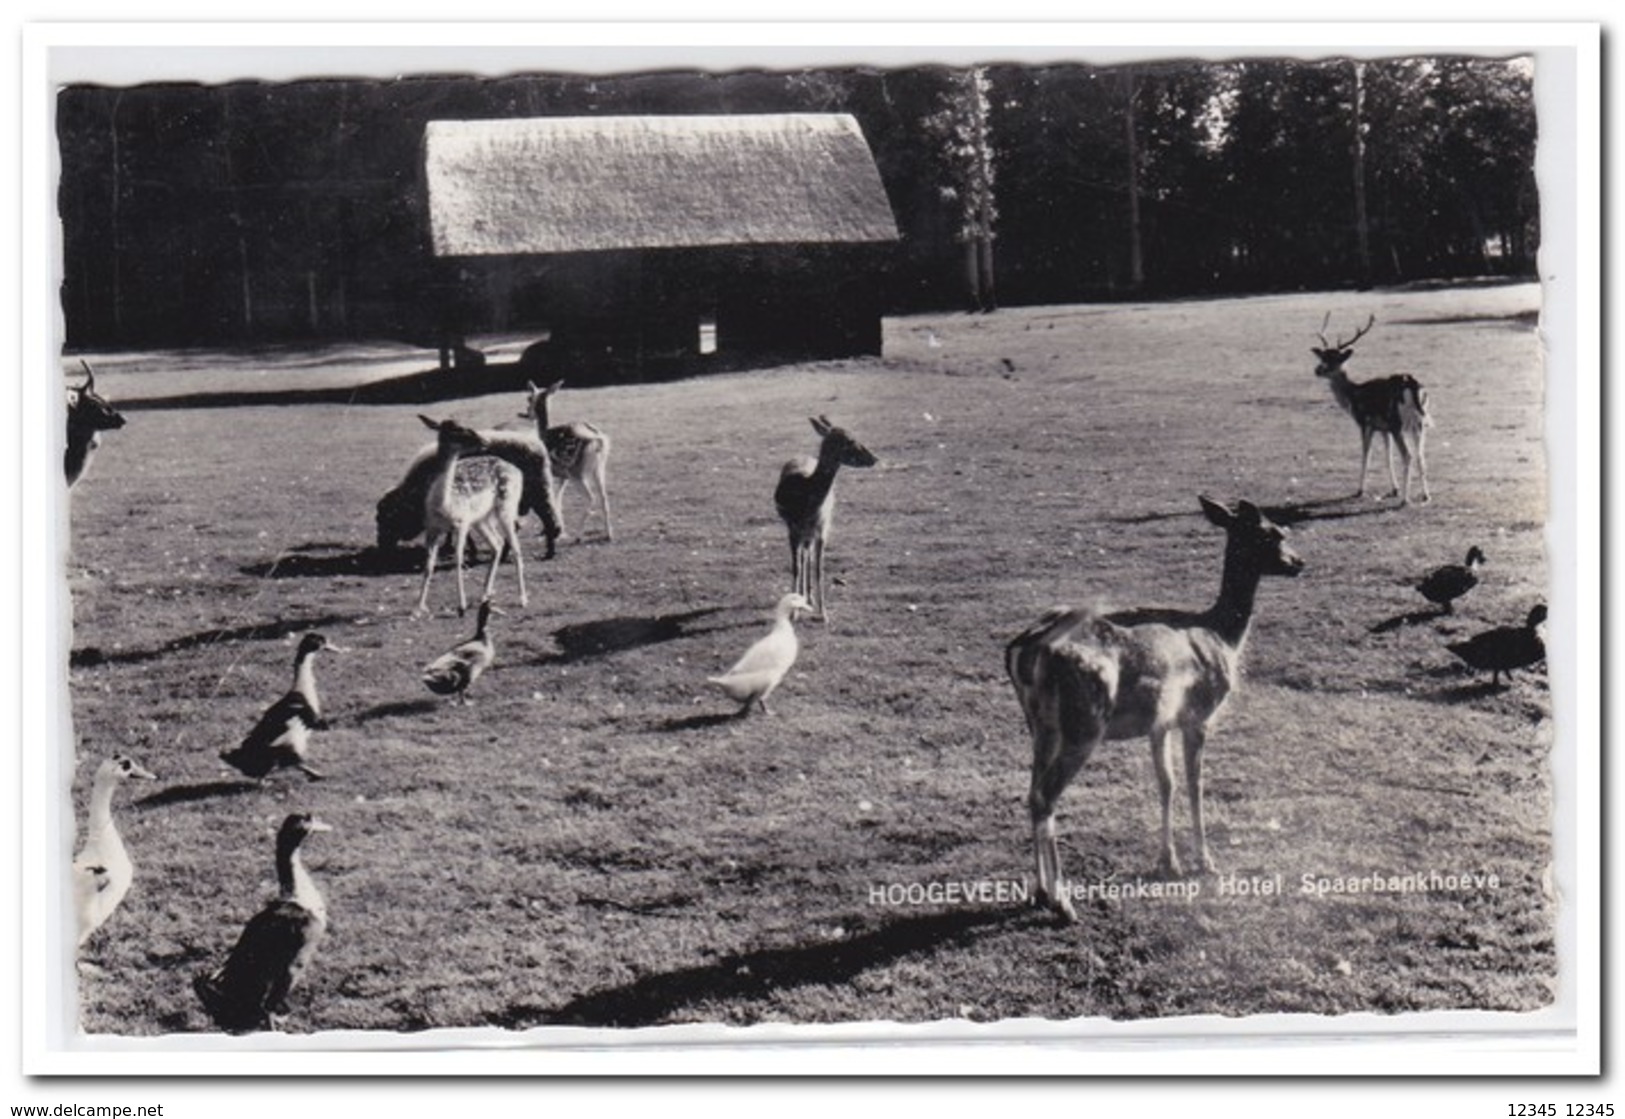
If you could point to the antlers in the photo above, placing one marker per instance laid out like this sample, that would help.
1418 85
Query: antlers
1340 345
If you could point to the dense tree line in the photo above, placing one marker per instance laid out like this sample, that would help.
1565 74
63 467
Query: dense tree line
255 212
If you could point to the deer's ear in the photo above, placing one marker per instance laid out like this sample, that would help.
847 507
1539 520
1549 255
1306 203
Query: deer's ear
821 424
530 387
555 386
1247 511
428 423
1216 513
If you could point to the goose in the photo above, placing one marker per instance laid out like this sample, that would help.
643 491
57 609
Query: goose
250 990
1443 585
455 671
282 735
754 676
1505 648
102 871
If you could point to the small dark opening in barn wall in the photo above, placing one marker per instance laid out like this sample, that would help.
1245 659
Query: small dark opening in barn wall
802 301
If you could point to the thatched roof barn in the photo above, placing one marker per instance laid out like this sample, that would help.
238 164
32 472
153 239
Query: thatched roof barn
625 234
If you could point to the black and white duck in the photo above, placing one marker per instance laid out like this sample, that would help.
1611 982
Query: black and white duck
1443 585
1505 648
454 672
250 990
281 738
102 870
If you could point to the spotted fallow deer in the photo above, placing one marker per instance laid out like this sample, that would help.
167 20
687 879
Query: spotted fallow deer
478 493
805 498
1394 407
579 453
88 416
1084 677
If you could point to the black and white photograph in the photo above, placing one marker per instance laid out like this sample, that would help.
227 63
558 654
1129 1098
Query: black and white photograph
968 544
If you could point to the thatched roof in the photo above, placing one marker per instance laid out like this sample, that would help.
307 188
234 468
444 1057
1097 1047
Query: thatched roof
580 184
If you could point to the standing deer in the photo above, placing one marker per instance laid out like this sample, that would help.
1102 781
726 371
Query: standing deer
480 493
88 416
806 500
1083 678
1394 407
579 453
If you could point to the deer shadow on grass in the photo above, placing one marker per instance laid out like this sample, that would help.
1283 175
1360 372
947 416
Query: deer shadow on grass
301 562
762 974
307 562
90 656
1325 509
1287 514
608 636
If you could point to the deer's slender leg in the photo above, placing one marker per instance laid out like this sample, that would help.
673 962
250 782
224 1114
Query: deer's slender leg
1056 761
1194 737
817 578
459 547
1365 458
1405 465
1162 766
428 572
1388 438
600 476
798 565
518 564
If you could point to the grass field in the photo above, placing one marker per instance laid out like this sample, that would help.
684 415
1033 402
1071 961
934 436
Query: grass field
596 840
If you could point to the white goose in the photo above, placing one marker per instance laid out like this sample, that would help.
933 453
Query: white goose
755 675
102 871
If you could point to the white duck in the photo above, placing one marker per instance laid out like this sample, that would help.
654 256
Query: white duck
102 871
755 675
454 672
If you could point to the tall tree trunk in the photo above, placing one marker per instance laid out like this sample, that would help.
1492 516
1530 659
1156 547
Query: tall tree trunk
116 237
1362 224
981 241
1136 252
246 277
984 279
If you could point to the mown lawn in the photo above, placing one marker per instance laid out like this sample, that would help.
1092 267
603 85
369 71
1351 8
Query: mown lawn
595 840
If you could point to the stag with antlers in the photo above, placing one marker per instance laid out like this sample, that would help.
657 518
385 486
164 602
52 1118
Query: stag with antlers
88 416
1394 407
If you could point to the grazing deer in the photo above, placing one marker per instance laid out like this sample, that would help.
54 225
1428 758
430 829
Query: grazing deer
806 500
88 416
480 493
1083 678
579 453
1394 407
400 511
